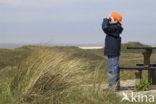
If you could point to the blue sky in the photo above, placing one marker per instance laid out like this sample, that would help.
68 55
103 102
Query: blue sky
74 21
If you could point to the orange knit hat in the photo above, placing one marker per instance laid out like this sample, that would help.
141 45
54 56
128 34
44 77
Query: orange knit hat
117 16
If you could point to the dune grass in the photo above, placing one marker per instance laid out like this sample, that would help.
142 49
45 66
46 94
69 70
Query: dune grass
49 76
12 56
46 73
54 75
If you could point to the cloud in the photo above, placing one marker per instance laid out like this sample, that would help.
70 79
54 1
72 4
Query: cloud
11 2
40 2
19 2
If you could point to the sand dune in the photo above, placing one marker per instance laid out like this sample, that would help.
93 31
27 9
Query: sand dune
91 47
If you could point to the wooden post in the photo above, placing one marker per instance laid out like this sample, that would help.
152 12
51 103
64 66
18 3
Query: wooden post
147 55
138 76
153 74
118 83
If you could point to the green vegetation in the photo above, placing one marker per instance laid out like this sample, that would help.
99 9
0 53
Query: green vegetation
12 56
143 85
55 75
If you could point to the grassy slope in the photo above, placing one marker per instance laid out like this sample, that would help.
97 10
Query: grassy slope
10 57
13 56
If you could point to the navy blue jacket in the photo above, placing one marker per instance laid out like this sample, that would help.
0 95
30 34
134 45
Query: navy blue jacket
113 39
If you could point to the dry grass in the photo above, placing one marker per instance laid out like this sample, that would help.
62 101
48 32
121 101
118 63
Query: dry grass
54 76
46 74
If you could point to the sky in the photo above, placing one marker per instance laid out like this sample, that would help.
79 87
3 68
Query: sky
74 21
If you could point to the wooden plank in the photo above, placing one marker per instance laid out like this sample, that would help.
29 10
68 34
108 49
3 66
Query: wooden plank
136 68
151 65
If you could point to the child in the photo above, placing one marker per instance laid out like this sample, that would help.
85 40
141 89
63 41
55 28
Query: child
112 28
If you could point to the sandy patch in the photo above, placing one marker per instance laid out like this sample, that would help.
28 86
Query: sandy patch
91 47
127 86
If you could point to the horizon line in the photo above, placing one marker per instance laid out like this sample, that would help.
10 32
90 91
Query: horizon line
15 45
